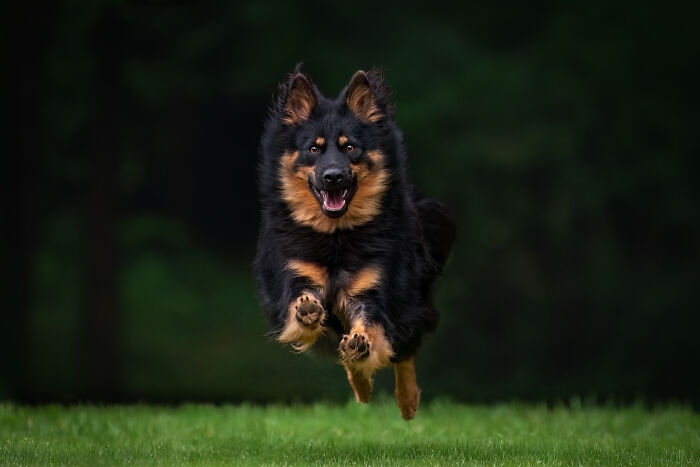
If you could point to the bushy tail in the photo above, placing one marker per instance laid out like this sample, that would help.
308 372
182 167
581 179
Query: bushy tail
439 229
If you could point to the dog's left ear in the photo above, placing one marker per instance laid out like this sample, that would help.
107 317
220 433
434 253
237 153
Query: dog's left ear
366 96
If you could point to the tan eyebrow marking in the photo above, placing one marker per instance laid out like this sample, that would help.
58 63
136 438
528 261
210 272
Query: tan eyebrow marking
320 141
342 140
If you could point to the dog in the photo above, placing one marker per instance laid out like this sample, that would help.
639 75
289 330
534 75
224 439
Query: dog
348 249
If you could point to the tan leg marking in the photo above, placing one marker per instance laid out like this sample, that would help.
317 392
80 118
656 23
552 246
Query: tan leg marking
365 348
304 322
407 392
360 384
318 275
364 280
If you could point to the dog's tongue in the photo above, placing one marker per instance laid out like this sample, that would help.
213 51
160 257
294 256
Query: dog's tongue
334 200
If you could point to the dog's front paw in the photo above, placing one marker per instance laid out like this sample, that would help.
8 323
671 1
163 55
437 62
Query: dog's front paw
354 348
309 311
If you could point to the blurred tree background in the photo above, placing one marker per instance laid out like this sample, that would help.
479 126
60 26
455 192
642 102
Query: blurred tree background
564 138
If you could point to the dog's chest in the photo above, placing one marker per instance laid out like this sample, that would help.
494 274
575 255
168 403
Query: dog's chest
345 289
342 288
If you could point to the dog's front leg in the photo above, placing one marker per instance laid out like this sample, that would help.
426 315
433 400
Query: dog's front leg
364 350
304 321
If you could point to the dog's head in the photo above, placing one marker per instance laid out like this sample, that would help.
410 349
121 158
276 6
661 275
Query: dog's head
333 170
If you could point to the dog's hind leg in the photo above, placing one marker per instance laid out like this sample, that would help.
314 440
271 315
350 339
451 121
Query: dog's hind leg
407 392
361 384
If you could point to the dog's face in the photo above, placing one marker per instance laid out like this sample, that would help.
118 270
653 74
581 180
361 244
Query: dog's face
335 173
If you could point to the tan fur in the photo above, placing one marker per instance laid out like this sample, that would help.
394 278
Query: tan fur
305 209
300 102
361 385
371 186
300 337
361 100
375 156
407 392
320 141
296 192
318 275
362 281
342 140
380 349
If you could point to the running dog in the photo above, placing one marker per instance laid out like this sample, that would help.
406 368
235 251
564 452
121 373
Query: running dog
348 249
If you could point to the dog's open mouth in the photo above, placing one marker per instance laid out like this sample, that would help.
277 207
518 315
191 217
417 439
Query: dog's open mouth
333 200
333 203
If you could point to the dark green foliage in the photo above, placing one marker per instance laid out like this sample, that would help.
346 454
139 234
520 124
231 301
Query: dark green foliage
564 138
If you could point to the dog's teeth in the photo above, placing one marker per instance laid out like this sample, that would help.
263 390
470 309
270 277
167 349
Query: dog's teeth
345 192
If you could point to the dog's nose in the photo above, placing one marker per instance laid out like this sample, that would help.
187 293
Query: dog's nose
333 176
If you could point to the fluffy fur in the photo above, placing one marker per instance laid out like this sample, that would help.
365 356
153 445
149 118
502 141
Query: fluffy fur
347 250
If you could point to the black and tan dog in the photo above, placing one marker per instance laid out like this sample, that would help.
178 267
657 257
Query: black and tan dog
348 249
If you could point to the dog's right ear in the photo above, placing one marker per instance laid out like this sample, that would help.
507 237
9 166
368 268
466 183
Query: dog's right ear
297 99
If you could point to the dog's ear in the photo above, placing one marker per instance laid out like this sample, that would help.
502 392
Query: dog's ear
366 96
297 99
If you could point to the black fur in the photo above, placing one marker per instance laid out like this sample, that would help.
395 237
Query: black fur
409 239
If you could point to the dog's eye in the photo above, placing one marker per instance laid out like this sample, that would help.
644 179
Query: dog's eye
314 149
349 147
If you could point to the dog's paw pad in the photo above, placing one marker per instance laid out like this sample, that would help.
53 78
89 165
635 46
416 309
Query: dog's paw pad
309 311
354 347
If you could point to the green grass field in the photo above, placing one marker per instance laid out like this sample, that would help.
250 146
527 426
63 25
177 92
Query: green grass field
442 433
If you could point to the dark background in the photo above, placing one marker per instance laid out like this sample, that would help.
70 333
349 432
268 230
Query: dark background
564 138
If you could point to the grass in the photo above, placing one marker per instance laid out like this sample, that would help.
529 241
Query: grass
442 433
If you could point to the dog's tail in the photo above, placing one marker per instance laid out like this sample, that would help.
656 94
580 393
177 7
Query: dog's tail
439 230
